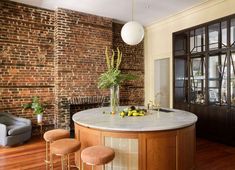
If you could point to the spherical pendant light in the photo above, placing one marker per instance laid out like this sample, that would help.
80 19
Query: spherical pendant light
132 33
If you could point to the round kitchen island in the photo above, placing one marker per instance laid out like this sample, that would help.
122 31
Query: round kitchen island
160 140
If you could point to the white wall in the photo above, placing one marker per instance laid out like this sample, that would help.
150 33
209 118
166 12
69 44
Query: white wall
158 36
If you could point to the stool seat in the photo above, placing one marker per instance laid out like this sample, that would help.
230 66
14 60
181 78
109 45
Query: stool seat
97 155
65 146
55 134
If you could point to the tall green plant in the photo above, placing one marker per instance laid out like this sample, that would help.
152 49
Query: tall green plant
113 76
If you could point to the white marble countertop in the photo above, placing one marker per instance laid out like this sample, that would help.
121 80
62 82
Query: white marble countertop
152 121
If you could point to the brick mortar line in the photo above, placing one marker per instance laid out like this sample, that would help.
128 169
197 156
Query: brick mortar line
23 43
31 65
129 69
29 22
94 25
26 86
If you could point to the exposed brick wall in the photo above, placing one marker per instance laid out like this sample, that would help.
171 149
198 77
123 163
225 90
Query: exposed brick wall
26 58
132 92
80 44
57 55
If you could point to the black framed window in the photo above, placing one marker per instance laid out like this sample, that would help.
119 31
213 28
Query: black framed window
209 56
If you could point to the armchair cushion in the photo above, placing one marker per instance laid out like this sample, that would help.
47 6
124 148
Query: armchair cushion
17 129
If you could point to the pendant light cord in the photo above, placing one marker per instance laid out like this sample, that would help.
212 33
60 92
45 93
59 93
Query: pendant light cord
132 12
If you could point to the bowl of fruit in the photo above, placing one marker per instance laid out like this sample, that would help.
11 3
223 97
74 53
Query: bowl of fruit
133 111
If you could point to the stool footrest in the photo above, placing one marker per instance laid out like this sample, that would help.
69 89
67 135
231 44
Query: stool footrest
74 166
46 161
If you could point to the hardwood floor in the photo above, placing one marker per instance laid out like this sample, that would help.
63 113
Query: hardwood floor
31 155
214 156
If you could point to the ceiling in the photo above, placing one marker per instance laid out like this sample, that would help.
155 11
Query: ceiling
145 11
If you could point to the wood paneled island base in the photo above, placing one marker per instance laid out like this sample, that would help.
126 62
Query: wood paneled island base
172 149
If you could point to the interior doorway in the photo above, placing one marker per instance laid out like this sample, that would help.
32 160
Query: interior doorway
162 82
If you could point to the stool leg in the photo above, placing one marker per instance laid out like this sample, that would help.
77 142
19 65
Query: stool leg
79 160
62 162
46 155
112 165
68 162
92 167
51 161
82 165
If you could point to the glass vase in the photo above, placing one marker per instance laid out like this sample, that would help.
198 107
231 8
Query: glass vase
39 118
114 99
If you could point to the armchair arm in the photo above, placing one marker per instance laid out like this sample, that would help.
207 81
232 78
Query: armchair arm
19 119
3 131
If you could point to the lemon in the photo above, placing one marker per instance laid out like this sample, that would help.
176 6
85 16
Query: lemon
122 114
135 114
129 113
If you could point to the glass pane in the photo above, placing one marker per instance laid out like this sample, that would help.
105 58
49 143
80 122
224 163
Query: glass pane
232 32
214 91
192 42
197 40
214 36
213 84
224 92
218 79
213 67
180 72
198 67
217 66
224 73
180 45
197 80
179 94
232 81
224 34
180 79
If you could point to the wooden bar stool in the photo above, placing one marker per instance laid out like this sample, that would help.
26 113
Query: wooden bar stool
51 136
64 147
97 155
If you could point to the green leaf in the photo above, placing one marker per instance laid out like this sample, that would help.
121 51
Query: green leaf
113 75
27 106
35 105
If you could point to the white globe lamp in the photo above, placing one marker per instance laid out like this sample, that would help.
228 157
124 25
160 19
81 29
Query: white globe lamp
132 33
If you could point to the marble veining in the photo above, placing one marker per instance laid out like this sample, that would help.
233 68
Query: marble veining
152 121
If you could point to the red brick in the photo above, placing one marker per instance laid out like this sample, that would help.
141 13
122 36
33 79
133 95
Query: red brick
57 55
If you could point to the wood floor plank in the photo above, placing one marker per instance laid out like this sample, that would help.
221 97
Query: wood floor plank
214 156
31 155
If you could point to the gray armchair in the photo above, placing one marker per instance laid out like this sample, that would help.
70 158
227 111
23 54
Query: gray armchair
14 130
